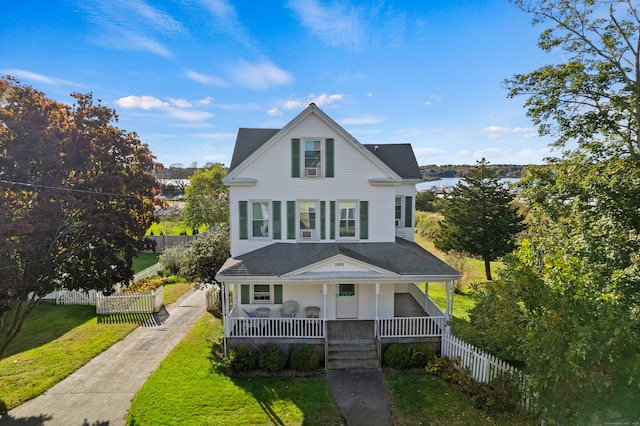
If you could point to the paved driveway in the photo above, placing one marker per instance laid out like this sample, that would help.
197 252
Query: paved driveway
100 393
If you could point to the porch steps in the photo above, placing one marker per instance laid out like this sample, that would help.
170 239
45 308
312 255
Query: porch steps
352 354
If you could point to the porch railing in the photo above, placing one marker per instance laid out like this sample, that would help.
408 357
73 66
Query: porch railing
424 301
276 327
412 326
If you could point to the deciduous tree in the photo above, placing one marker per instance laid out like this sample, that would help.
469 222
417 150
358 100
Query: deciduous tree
206 198
76 197
479 218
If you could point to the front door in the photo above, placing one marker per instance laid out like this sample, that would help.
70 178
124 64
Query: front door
347 301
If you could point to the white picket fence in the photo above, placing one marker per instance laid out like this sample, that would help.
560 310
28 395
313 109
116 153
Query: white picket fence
75 297
483 366
143 302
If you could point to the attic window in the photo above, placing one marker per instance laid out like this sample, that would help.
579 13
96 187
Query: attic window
312 157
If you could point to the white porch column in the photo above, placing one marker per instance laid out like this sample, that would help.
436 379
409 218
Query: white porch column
449 298
377 301
225 314
324 300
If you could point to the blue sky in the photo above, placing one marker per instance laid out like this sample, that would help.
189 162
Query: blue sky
186 74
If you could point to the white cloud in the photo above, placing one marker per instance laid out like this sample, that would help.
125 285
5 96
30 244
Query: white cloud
204 101
495 132
140 102
39 78
273 112
320 101
260 76
207 80
180 103
131 25
226 20
368 119
176 108
189 115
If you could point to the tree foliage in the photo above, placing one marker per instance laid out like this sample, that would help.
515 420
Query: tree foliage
206 255
206 198
576 279
479 218
76 197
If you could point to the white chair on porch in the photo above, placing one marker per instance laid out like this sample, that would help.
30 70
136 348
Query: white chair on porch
289 309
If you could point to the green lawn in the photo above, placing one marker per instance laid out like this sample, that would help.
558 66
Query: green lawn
171 227
189 388
143 260
56 340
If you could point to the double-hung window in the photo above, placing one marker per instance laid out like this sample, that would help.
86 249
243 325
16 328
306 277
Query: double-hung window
312 157
261 293
399 212
260 219
347 219
308 219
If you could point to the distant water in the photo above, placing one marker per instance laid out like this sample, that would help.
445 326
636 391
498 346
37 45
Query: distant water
447 182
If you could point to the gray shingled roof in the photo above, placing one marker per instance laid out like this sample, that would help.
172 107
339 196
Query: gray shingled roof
401 257
247 142
399 157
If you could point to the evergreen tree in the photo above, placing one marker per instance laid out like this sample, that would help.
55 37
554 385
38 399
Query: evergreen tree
479 217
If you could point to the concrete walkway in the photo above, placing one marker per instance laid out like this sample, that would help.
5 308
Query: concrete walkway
100 393
360 396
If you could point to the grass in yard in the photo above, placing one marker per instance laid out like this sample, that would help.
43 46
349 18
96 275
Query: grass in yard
417 398
462 303
171 227
54 342
143 260
173 291
189 388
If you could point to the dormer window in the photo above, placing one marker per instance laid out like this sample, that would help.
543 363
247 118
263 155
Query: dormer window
312 158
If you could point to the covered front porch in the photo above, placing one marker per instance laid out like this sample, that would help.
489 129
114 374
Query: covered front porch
411 313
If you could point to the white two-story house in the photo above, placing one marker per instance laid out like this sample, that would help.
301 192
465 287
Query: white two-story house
322 247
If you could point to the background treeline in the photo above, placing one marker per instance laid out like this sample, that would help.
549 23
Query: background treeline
433 172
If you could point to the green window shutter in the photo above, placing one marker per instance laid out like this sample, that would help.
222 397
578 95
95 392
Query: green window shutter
291 220
295 158
408 212
245 294
329 154
244 220
323 220
277 294
332 220
364 220
277 220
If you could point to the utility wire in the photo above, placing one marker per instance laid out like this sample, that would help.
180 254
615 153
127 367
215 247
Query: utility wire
62 188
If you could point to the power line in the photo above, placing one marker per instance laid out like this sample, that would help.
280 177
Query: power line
62 188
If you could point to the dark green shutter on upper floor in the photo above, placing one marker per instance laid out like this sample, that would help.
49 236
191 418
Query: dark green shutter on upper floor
408 212
244 220
277 294
364 220
332 220
329 157
277 220
323 220
295 158
291 220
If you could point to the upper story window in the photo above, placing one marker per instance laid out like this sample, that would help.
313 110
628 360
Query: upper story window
347 219
312 157
308 219
260 219
398 216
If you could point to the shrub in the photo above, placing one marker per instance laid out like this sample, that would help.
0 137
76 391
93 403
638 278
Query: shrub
397 356
303 358
241 359
427 224
421 354
173 258
271 358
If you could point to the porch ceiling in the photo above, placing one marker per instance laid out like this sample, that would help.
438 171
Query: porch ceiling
397 261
